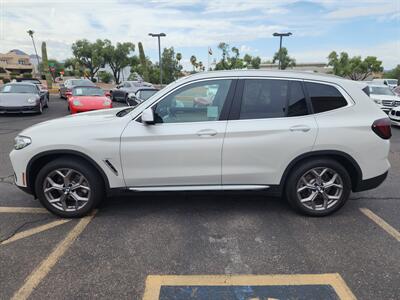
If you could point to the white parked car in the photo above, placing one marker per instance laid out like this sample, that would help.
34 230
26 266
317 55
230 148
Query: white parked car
391 83
383 96
394 116
310 138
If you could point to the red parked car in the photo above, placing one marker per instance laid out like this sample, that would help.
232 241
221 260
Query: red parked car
87 98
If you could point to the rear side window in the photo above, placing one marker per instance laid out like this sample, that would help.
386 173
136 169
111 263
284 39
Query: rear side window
324 97
270 98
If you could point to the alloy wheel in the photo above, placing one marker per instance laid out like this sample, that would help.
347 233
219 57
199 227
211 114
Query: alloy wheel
66 189
319 188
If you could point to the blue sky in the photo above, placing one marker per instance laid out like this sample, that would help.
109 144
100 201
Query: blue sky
359 27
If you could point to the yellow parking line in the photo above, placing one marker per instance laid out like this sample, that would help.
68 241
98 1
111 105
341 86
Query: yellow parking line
29 232
154 282
25 210
382 223
40 272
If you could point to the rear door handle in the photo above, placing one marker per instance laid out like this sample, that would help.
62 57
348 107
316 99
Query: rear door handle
206 132
303 128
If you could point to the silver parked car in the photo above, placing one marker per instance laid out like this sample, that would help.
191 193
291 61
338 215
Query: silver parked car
69 84
22 97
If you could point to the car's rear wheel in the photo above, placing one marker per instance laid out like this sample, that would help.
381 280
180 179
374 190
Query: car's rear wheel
69 188
318 187
40 111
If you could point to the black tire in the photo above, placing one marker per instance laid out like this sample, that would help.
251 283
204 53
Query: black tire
47 103
94 182
40 111
293 182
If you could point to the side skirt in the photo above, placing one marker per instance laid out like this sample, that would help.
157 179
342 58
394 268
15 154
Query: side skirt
198 188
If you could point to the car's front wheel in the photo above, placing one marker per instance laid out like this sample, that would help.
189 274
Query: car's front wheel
318 187
69 187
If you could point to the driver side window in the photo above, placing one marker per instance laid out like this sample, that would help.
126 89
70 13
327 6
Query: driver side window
197 102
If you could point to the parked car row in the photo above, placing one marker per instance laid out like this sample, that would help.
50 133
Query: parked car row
133 92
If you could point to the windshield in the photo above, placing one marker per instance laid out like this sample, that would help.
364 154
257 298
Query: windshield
146 94
381 90
82 82
87 91
392 81
19 88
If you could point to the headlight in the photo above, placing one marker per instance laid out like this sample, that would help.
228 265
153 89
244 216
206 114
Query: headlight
106 102
32 100
377 101
21 142
76 102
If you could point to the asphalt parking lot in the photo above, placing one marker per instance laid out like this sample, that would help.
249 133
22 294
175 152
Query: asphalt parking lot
131 244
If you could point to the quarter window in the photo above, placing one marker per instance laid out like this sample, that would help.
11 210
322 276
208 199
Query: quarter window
325 97
271 98
201 101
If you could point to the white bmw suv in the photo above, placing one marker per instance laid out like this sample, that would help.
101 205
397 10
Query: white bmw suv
309 138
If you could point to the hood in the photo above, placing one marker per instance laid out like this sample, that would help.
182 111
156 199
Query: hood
385 97
16 99
81 120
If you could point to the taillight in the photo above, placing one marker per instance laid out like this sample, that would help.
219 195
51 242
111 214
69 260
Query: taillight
382 128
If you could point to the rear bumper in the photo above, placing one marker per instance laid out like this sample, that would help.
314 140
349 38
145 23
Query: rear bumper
371 183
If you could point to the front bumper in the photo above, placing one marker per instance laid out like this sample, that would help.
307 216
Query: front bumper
19 109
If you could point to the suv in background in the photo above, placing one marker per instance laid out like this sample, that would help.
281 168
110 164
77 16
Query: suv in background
69 84
310 138
121 91
383 96
392 83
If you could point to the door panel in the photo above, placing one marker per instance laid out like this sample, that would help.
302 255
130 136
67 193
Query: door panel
184 146
258 151
172 154
268 128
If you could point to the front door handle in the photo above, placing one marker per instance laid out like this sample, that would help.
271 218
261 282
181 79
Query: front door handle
303 128
206 132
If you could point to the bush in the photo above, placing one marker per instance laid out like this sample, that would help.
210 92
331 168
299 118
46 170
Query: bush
15 74
27 75
6 80
105 77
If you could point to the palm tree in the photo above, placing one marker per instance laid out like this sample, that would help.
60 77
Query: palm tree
31 32
193 61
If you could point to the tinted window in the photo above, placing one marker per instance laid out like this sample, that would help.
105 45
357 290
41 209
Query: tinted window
201 101
265 98
325 97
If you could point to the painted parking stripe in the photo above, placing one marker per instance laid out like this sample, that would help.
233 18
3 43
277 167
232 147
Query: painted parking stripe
162 287
381 223
40 272
24 210
32 231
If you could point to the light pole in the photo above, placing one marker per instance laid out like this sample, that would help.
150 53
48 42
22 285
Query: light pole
31 32
158 35
280 44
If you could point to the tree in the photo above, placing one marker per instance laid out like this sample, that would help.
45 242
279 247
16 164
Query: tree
286 60
46 66
74 65
179 58
143 62
105 76
170 66
193 61
394 73
355 67
253 62
90 55
117 57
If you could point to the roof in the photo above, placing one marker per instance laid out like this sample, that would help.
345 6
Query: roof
270 73
21 83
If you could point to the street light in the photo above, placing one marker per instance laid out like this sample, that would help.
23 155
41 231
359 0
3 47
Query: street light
280 44
158 35
31 32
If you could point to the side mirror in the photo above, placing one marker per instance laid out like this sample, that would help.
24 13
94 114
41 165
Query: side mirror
68 94
148 116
